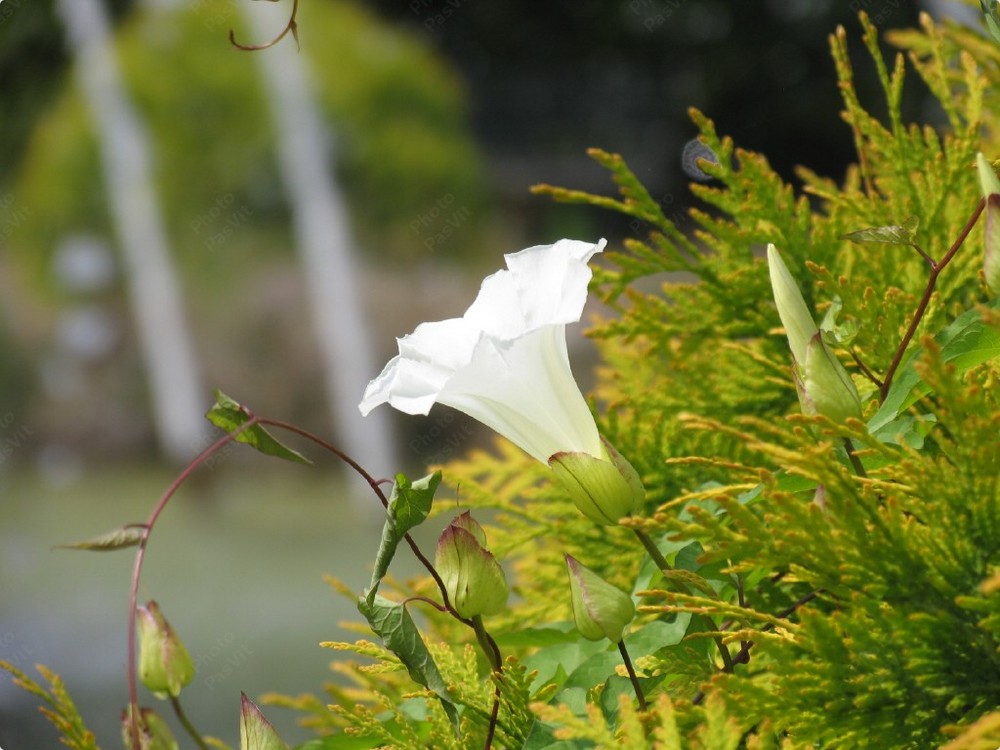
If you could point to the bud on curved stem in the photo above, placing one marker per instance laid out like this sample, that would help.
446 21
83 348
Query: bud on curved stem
600 610
165 665
472 577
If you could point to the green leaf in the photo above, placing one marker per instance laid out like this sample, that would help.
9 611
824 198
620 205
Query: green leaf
256 732
120 538
554 664
392 623
992 17
648 572
339 742
409 505
551 634
615 687
893 234
542 737
410 502
584 664
229 415
657 634
838 332
595 670
966 343
906 430
792 483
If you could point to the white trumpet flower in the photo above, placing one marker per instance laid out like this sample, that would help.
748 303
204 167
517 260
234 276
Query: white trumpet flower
505 364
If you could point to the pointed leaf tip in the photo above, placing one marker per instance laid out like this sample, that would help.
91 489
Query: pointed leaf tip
409 505
229 415
891 234
256 732
120 538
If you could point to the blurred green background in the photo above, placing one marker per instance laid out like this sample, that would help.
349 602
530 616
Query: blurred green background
441 114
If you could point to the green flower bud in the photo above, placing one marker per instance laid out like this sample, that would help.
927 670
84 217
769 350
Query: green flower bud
256 732
599 609
823 385
154 734
991 192
165 665
473 578
604 489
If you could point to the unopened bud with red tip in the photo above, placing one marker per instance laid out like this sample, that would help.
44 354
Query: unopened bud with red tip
154 734
991 193
605 489
599 609
473 578
256 732
823 385
165 665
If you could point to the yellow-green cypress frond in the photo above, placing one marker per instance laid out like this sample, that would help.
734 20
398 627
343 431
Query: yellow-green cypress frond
57 706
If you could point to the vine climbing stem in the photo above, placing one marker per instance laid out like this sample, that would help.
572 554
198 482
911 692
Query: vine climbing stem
186 723
290 27
632 676
936 269
140 556
252 421
661 562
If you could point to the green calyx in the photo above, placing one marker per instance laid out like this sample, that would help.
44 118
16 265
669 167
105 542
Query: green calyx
604 489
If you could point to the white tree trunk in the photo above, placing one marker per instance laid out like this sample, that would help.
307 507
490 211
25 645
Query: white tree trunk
323 237
167 352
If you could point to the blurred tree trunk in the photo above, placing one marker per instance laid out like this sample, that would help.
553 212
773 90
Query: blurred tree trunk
154 293
325 243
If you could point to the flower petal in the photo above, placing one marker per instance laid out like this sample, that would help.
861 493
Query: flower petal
524 389
427 359
543 285
505 361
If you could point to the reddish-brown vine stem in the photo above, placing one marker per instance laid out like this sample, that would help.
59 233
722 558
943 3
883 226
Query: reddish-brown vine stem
252 420
936 269
290 27
133 601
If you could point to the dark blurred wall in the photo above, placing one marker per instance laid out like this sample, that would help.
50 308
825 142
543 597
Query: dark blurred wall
548 79
33 60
